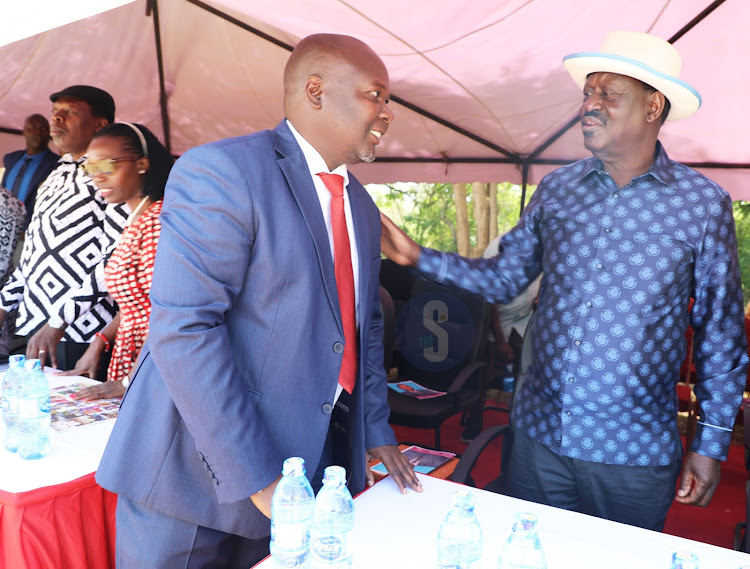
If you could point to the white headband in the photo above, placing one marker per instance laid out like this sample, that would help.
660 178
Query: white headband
140 137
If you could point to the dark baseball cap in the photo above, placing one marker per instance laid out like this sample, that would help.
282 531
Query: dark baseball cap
92 95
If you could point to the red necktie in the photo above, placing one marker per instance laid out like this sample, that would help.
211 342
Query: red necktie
342 262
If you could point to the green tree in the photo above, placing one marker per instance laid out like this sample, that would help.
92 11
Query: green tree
427 212
742 224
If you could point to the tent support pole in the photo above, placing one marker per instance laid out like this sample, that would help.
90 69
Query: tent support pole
524 184
154 9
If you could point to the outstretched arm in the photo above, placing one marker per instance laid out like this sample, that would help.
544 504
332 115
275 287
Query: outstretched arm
396 244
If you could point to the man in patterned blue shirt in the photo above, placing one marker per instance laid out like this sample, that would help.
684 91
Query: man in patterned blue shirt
624 240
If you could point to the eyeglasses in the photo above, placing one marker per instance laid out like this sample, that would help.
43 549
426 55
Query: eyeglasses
104 167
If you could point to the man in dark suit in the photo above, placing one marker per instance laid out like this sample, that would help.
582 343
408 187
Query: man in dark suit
25 170
254 341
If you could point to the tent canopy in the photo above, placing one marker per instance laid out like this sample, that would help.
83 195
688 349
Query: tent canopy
479 89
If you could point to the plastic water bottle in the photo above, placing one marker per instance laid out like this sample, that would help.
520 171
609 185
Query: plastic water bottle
9 403
523 550
684 560
33 413
459 541
333 521
292 506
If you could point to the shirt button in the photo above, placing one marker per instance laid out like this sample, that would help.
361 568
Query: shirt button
598 265
577 342
607 230
616 195
588 303
568 413
327 408
338 347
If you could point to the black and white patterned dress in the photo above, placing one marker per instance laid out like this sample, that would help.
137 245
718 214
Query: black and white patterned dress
71 231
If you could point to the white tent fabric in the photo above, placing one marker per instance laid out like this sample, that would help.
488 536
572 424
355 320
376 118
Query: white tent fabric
479 87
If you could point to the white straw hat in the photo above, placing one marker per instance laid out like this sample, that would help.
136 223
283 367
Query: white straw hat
644 57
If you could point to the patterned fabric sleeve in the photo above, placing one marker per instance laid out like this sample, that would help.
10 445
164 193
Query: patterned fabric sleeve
719 321
12 293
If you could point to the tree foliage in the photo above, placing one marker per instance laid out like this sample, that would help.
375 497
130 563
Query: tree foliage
427 212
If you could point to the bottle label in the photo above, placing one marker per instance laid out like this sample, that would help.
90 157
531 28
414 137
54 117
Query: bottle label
33 407
4 405
328 548
290 536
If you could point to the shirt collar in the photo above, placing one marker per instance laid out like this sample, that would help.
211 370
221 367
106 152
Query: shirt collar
661 169
314 160
68 158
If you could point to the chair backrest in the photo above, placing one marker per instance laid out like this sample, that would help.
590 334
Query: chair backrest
439 331
389 327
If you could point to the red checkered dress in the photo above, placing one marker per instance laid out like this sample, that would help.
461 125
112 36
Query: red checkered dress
128 276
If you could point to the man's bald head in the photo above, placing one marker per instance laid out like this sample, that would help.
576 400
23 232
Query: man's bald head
336 92
320 54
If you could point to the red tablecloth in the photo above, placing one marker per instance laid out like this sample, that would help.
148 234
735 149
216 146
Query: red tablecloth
66 526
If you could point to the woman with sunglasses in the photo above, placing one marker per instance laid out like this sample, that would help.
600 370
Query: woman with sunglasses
128 165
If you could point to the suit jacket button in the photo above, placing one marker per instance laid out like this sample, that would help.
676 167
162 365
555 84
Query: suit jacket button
338 347
327 408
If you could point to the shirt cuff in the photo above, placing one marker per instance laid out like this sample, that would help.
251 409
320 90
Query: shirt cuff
711 441
433 264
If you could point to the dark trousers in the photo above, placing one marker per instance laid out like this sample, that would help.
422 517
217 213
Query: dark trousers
635 495
147 539
338 447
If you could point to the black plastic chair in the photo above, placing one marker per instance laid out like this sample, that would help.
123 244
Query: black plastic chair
458 369
462 473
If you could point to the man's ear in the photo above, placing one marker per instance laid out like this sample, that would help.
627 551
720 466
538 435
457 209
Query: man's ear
656 106
314 90
101 122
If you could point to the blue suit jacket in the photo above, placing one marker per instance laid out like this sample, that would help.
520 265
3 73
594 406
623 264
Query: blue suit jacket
241 365
48 163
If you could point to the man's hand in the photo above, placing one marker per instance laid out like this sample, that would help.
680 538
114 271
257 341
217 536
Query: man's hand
262 499
396 244
45 340
700 477
398 466
88 364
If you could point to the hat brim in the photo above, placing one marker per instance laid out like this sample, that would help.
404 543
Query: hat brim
684 100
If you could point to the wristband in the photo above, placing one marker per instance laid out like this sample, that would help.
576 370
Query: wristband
105 341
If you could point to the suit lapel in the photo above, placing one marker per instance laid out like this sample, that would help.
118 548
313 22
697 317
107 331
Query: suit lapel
362 232
297 174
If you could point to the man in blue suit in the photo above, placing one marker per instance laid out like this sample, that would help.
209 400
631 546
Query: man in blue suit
25 170
248 337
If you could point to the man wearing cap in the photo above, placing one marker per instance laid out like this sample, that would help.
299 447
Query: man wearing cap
624 240
69 234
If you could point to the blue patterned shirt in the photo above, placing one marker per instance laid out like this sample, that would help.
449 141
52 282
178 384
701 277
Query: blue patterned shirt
620 265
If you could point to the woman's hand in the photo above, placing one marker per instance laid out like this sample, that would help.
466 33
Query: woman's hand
106 390
88 364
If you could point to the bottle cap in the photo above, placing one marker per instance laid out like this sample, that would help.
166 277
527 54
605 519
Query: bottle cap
525 523
293 466
334 476
463 499
684 560
17 360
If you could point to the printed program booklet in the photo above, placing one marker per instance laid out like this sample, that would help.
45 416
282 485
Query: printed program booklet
68 412
423 460
413 389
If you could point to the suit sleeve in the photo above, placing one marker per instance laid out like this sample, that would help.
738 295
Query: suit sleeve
206 241
377 430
